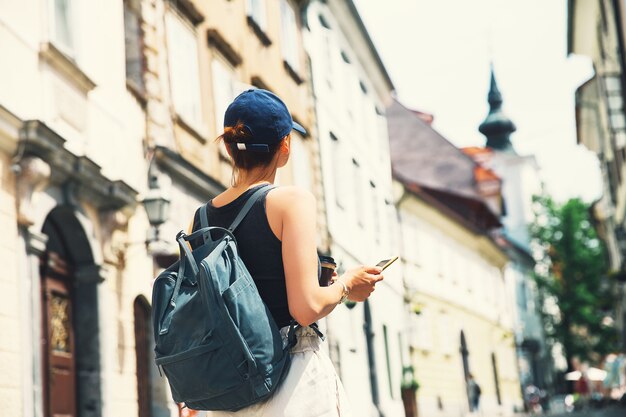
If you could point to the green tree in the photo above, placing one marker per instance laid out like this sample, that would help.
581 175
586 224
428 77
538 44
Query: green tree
571 275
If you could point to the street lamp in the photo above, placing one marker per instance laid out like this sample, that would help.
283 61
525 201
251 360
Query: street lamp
157 207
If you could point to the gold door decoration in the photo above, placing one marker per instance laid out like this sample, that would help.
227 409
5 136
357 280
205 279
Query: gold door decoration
59 324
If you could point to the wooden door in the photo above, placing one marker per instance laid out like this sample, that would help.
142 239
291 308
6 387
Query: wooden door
142 353
58 353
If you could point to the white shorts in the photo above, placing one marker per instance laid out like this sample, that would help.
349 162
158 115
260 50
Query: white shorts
311 388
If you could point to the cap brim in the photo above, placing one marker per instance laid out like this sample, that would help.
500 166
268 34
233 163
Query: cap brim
298 128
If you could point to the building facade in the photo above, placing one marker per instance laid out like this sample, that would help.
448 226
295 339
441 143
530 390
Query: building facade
70 211
461 323
351 90
103 107
596 30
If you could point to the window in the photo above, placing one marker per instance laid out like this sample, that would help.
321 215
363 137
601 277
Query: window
62 26
358 191
323 21
133 36
301 162
617 121
339 172
256 11
289 34
381 136
345 57
375 212
349 87
224 92
184 70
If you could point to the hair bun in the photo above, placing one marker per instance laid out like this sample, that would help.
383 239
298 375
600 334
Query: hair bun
234 134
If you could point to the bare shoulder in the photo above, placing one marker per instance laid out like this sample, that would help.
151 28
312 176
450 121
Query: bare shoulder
290 196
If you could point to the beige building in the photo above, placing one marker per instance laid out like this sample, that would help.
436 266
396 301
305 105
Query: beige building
198 57
453 266
104 106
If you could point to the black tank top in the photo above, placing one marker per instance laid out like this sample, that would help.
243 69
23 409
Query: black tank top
259 248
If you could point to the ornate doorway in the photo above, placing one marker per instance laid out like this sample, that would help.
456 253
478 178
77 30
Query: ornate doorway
70 336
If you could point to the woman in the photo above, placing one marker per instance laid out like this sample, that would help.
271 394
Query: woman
277 242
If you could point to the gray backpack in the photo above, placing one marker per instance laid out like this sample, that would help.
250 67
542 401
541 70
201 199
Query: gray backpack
216 341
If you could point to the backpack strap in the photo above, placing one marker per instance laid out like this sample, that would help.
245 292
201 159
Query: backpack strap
204 217
246 208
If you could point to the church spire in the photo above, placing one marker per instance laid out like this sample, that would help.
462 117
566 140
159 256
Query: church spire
497 127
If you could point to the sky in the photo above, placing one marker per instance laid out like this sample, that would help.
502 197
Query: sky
438 54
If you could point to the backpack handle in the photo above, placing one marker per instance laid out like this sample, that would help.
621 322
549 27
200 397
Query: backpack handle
185 253
205 234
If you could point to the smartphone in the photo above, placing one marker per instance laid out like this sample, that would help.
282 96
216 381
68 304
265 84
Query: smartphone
386 262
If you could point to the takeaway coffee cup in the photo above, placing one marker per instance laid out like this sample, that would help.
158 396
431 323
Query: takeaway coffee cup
328 267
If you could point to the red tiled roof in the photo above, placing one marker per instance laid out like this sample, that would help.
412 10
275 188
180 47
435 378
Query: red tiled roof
482 156
425 161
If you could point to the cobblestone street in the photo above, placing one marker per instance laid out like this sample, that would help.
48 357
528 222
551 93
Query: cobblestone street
606 412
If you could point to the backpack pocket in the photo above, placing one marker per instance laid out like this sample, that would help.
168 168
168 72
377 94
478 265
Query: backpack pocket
201 372
254 323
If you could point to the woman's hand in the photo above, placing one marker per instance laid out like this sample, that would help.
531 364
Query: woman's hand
361 281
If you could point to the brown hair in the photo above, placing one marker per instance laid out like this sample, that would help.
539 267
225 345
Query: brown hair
245 159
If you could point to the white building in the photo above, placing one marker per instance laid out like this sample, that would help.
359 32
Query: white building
351 90
73 166
462 322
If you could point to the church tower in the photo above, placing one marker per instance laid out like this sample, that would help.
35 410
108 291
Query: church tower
497 127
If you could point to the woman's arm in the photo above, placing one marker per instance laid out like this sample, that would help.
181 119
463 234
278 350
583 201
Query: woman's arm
308 302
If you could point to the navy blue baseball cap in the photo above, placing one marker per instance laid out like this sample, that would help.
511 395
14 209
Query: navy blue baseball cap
264 115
